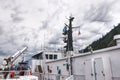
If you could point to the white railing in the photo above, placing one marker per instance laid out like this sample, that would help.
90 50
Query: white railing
13 74
70 78
49 76
115 78
76 77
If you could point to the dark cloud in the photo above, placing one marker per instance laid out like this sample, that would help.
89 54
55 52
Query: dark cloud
12 40
99 13
16 18
6 4
50 48
41 9
55 39
3 53
1 30
16 14
53 42
45 24
35 34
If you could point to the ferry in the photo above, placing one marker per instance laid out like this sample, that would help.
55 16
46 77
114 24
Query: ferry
102 64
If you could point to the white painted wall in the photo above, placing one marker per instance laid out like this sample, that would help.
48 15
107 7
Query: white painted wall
34 63
110 58
102 64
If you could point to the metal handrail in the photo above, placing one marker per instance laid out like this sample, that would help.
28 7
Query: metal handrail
14 73
70 78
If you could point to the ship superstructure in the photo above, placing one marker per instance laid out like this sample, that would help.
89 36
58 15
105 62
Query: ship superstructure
101 64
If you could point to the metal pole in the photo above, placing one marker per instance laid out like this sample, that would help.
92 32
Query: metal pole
70 45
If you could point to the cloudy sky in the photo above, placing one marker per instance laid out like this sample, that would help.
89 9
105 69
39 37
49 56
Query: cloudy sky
39 23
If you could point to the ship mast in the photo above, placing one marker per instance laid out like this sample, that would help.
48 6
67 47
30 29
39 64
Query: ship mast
68 39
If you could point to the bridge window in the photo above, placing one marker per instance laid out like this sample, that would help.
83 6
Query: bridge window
46 56
50 56
55 56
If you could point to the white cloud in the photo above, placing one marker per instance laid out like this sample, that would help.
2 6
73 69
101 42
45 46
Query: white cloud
38 23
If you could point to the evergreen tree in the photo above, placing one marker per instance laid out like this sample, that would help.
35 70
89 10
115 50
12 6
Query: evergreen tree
105 41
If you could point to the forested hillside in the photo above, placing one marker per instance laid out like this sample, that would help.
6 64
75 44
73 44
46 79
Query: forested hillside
105 41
